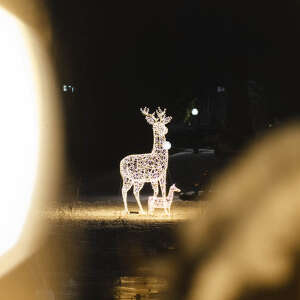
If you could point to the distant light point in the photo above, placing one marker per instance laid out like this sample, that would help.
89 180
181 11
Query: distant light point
195 111
68 88
220 89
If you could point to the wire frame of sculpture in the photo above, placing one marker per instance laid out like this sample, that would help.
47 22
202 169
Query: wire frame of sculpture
137 169
161 202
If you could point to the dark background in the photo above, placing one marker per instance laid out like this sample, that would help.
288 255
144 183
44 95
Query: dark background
123 55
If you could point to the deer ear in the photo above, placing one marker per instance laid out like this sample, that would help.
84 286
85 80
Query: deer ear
167 120
150 120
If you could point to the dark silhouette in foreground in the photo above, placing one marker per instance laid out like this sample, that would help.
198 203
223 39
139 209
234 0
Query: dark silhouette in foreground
246 245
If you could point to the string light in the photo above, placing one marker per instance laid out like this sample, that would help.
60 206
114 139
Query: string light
150 167
162 202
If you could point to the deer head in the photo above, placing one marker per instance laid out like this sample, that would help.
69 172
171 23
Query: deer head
158 122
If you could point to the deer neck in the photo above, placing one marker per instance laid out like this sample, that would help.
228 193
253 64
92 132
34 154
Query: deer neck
158 143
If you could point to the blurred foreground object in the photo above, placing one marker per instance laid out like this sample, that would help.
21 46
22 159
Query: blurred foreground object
247 244
30 126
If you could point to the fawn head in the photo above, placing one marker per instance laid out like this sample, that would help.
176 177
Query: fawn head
174 188
159 121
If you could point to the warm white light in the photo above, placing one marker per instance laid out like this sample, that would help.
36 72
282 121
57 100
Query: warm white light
18 130
162 202
195 112
167 145
150 167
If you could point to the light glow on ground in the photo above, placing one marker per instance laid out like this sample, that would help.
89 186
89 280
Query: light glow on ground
104 209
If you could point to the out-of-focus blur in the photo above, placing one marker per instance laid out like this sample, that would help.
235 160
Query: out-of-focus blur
30 130
242 243
19 130
246 246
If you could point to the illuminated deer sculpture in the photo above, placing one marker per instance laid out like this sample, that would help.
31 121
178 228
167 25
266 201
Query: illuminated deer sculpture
150 167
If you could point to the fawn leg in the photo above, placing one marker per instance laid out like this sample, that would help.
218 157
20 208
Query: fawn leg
169 210
166 209
137 186
150 207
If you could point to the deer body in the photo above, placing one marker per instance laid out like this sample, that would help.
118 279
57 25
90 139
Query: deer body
150 167
145 167
161 202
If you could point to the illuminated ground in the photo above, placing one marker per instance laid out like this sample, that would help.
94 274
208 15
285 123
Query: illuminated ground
109 209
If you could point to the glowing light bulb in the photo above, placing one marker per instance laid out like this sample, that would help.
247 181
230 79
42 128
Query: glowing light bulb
167 145
195 112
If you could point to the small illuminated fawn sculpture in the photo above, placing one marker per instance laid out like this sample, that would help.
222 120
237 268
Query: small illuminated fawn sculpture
150 167
162 202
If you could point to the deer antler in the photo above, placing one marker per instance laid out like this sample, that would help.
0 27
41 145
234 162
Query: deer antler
162 116
161 113
145 112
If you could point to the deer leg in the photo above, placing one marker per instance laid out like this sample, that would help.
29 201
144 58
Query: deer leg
137 186
155 193
127 184
162 183
155 188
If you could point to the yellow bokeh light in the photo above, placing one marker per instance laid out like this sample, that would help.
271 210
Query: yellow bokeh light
19 130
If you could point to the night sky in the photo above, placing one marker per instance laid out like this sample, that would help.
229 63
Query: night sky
122 55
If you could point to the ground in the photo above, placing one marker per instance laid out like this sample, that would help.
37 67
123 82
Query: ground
114 254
